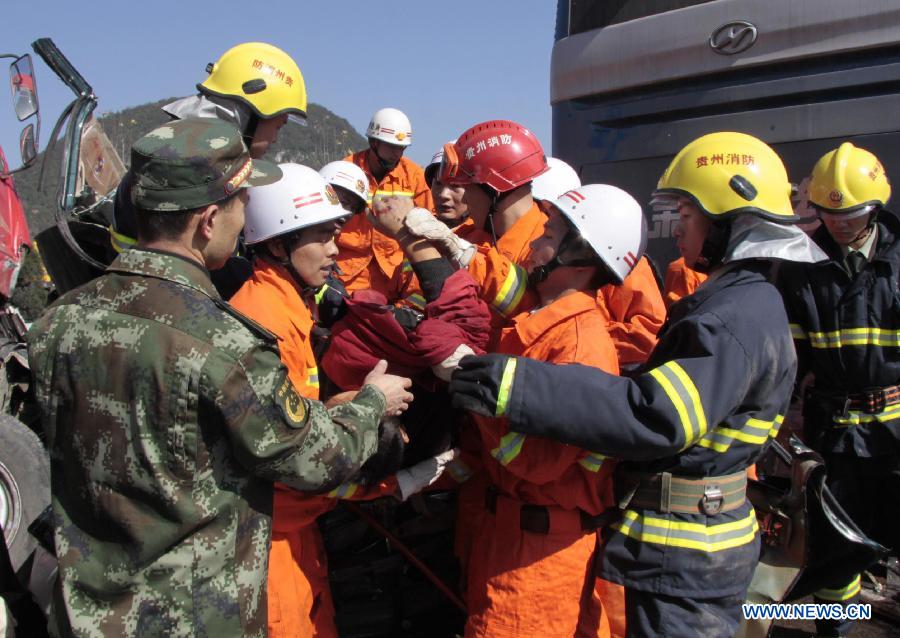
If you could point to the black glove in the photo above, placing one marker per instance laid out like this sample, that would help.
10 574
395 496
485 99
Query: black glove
476 384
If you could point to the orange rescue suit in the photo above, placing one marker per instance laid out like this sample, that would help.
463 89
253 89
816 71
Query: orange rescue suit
681 281
523 582
637 312
368 258
299 595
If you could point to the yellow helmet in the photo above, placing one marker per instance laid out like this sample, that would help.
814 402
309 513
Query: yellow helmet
260 75
848 179
728 174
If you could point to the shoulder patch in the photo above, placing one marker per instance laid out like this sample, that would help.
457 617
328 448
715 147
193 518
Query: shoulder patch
292 405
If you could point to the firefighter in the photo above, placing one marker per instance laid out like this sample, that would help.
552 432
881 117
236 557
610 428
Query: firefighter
294 258
530 572
350 183
846 326
635 306
714 390
368 259
258 88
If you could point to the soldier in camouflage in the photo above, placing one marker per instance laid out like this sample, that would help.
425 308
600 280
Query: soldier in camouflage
168 414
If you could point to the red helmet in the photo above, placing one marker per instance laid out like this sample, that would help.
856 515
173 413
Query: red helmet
498 153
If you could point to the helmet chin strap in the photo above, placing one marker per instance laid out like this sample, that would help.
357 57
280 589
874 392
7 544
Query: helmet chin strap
286 245
385 165
713 251
541 273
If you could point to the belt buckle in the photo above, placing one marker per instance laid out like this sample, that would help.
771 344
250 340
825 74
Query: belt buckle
711 503
874 400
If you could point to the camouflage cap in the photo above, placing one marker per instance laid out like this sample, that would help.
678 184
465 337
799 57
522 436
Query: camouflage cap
193 162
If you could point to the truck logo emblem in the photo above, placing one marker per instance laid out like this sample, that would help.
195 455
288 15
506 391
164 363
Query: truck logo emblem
733 37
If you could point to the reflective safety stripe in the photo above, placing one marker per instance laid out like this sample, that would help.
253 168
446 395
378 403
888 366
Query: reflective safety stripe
511 292
842 594
345 490
592 462
855 417
510 447
755 432
312 377
406 266
798 332
855 337
684 396
119 241
417 300
705 538
459 471
506 382
320 295
384 193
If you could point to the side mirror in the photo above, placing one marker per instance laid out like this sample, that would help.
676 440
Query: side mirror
24 89
27 146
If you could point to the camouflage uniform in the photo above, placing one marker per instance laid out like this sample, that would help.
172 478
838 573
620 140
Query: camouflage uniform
168 416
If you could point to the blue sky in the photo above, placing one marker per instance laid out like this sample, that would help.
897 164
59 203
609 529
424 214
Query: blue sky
448 65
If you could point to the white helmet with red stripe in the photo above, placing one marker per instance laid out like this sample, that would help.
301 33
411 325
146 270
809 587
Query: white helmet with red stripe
348 175
301 198
559 178
610 221
391 126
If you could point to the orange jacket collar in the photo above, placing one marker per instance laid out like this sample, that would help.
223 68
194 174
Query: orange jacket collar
530 326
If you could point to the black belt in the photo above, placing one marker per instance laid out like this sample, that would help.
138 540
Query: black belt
536 518
870 400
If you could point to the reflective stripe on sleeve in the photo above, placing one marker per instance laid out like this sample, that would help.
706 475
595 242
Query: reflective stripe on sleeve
312 377
345 490
510 447
754 432
506 382
684 397
510 294
855 417
120 242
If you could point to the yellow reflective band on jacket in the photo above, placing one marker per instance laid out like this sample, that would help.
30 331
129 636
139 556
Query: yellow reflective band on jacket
345 490
459 471
854 337
855 417
705 538
842 594
754 432
119 241
684 396
506 382
417 300
511 291
312 377
510 447
406 266
797 332
382 193
592 462
320 295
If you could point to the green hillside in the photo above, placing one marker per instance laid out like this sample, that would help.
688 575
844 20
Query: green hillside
327 137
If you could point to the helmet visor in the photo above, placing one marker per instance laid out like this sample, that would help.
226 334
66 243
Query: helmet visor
836 215
448 172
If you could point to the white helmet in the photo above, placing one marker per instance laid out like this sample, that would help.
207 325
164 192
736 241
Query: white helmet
347 175
610 221
435 163
301 198
558 178
391 126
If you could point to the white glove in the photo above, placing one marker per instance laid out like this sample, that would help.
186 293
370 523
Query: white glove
422 223
444 369
416 478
